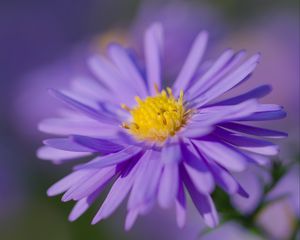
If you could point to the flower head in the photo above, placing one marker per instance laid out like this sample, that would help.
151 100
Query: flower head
153 142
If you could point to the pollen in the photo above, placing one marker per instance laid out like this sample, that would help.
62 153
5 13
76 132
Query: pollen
158 117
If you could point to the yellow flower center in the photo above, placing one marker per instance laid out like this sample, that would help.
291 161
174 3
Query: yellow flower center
156 118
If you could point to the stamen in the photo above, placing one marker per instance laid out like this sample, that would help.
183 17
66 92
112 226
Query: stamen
188 112
125 125
181 96
156 88
164 93
169 90
138 100
156 118
125 107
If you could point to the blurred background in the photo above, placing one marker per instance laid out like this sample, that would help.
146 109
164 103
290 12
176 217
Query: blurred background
46 43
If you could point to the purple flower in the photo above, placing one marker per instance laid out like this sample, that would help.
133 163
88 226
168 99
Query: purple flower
154 141
284 207
254 179
231 231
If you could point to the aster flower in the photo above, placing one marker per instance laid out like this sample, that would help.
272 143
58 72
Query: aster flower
276 198
154 141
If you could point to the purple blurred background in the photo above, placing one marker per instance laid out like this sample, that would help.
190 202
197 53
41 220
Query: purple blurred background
44 44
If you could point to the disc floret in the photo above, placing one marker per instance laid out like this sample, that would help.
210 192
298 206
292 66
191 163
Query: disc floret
157 117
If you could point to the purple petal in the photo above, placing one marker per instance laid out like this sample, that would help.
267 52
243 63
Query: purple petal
128 69
109 75
89 184
241 191
67 144
103 146
224 64
196 176
203 203
131 218
224 179
257 92
111 159
255 187
207 119
196 129
146 207
232 112
197 170
82 205
87 110
91 88
268 150
91 128
246 143
268 107
218 65
222 154
66 182
263 116
105 71
58 156
133 214
146 182
113 110
261 132
168 187
81 98
202 123
153 46
180 206
191 63
229 81
117 194
258 159
171 152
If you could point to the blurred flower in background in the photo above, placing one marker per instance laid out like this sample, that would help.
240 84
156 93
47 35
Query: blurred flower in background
182 21
254 179
284 209
231 231
272 215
